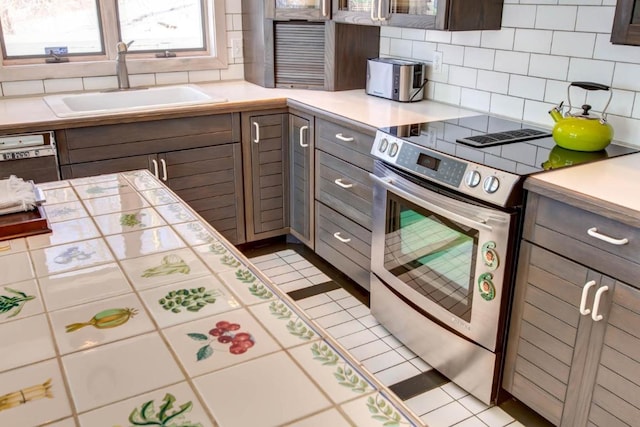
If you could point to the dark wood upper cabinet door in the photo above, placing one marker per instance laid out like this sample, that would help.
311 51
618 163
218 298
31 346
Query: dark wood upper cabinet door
626 23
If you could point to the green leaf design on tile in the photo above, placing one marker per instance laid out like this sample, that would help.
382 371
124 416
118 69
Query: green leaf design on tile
260 291
280 310
14 303
132 219
245 276
198 337
217 248
166 416
324 354
382 411
170 264
300 329
204 352
231 261
349 378
193 299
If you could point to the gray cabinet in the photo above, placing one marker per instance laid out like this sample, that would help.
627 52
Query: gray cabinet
573 350
298 9
301 176
266 174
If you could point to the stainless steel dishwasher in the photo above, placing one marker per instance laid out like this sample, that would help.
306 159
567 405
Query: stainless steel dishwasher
30 156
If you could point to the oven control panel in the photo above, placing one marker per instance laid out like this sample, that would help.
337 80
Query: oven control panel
474 179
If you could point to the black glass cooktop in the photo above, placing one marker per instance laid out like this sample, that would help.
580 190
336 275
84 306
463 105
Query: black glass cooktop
508 145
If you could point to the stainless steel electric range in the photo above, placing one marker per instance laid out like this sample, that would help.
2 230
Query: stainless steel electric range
448 202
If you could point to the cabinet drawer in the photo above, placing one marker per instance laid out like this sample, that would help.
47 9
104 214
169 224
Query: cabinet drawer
345 188
350 250
344 143
563 229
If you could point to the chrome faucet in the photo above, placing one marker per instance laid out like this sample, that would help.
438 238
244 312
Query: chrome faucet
121 65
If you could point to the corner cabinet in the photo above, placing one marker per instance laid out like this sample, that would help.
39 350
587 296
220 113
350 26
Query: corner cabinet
266 174
199 158
573 352
301 176
626 23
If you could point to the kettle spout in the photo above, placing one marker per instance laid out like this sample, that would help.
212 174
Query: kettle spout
556 112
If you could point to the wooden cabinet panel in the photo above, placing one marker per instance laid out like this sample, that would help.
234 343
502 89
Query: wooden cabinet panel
301 176
346 143
81 170
626 23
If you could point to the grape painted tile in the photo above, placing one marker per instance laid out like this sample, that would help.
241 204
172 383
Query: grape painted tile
284 324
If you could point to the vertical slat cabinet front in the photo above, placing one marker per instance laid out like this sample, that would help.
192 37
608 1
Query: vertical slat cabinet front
266 174
301 159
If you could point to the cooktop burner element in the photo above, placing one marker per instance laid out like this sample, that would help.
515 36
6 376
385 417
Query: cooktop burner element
505 137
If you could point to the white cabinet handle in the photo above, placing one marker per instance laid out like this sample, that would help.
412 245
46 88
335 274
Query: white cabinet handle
302 129
164 169
593 232
380 18
583 301
596 304
155 167
342 184
373 10
257 127
344 138
324 8
339 237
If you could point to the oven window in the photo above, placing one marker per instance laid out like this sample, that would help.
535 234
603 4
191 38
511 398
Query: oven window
432 254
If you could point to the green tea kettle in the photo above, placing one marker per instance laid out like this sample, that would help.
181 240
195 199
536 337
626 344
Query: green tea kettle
582 132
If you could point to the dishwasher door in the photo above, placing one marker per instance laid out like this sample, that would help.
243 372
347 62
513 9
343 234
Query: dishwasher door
30 156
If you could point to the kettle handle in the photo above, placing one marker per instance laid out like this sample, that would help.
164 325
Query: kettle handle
591 86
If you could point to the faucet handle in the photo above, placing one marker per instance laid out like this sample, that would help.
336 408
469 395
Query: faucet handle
123 47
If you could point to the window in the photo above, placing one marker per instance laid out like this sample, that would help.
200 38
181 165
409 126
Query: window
36 34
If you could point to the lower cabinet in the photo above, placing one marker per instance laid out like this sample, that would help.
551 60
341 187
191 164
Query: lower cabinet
301 176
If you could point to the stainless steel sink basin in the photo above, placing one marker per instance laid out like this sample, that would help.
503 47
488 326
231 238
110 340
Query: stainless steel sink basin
71 105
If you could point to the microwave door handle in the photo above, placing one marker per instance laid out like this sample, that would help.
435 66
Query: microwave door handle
388 184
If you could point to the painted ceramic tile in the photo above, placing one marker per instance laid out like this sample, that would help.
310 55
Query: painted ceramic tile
165 267
144 242
15 267
71 256
159 196
247 286
277 389
339 379
283 323
172 406
89 325
123 222
52 185
142 180
65 232
68 422
331 418
175 213
102 189
119 370
83 286
30 341
219 341
218 257
59 195
19 300
188 300
195 233
95 179
65 211
45 398
375 410
8 247
120 203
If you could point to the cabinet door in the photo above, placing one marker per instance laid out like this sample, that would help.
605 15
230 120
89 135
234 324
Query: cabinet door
301 143
359 12
209 179
626 23
81 170
298 9
266 175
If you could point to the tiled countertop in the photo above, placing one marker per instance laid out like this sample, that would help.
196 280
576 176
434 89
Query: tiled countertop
134 311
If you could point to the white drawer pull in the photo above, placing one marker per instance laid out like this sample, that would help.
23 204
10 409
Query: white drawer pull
257 127
583 301
341 137
155 167
339 183
339 237
302 143
596 304
593 232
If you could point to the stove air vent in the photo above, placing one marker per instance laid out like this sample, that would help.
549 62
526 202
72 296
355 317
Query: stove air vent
506 137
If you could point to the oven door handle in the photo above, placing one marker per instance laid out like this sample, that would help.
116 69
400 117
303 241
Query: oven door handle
476 222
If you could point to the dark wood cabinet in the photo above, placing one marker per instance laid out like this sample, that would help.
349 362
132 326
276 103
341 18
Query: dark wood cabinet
200 158
266 173
296 9
301 176
626 23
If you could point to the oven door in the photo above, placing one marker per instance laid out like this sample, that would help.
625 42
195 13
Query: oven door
443 255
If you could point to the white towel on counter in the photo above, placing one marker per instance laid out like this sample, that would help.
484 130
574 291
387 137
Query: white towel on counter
16 195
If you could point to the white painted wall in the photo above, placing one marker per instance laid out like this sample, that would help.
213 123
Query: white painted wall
523 70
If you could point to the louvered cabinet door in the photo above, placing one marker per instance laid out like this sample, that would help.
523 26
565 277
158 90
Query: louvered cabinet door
301 177
300 54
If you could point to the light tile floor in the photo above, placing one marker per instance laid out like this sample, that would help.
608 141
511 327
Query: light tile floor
350 322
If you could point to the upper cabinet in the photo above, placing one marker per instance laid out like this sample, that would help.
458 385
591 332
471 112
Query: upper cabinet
298 9
626 23
452 15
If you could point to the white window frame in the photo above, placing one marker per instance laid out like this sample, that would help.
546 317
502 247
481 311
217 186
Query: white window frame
137 63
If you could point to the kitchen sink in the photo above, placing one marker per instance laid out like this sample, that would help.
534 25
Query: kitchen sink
118 101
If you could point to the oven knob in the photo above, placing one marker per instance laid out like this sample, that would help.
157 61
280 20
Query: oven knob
472 179
393 149
384 143
491 184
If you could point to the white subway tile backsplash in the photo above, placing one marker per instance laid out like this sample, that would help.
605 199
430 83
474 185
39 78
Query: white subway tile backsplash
25 87
512 62
591 71
556 91
423 50
63 85
549 66
527 87
538 41
466 38
204 76
400 48
232 6
556 17
479 58
627 76
413 34
507 106
538 112
502 39
615 52
173 78
233 72
492 81
236 22
451 54
463 76
446 93
475 99
518 16
581 2
393 32
625 129
385 46
636 108
621 101
142 80
595 19
567 43
439 36
100 83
